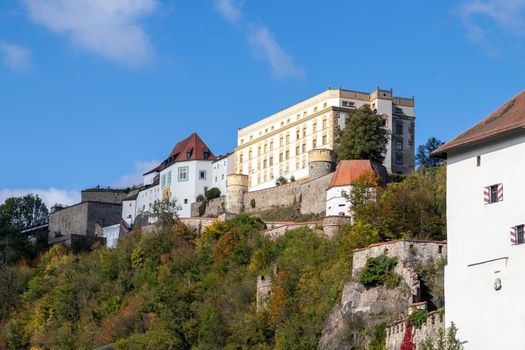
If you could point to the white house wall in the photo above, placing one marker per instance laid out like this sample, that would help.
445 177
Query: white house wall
479 246
185 192
129 211
336 204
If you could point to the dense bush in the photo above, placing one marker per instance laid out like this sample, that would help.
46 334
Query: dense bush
379 271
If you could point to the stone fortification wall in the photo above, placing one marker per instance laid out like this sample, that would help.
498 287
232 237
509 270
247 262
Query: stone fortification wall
404 250
395 332
264 291
311 194
275 197
277 230
70 220
105 195
214 208
332 224
82 218
366 306
314 195
197 223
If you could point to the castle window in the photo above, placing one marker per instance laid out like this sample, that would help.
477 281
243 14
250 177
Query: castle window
478 161
183 174
324 123
325 105
287 139
440 249
493 194
280 157
304 147
314 143
185 200
271 161
517 235
297 150
287 154
315 109
399 158
315 126
202 174
399 146
399 129
324 140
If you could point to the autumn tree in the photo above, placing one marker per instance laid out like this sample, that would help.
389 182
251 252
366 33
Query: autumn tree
364 137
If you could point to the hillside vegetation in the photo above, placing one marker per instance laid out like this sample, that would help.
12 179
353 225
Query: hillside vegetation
177 290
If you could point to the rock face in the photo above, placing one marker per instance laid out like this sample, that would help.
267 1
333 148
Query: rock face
361 309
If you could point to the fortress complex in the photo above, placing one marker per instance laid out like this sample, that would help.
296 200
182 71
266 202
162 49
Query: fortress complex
279 145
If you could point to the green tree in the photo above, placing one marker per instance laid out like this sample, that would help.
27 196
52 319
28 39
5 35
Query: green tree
16 214
23 212
363 137
424 157
445 340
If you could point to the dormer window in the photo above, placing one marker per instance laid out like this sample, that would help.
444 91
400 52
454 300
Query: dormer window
188 155
206 155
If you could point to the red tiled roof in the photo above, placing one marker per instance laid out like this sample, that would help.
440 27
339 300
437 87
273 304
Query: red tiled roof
507 118
350 170
191 148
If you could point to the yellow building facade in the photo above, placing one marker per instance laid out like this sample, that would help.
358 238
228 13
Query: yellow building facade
278 145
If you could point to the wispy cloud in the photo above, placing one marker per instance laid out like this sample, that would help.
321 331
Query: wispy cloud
262 42
15 57
49 196
481 17
135 178
108 28
268 49
231 10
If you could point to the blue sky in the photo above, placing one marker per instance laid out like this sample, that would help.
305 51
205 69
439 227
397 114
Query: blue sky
95 91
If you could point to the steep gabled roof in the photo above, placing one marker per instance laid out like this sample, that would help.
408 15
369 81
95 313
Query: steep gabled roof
507 118
191 148
350 170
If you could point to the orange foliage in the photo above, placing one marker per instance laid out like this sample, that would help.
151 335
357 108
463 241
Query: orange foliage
121 323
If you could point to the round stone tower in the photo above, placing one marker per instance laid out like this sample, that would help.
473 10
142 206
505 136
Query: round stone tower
236 186
320 163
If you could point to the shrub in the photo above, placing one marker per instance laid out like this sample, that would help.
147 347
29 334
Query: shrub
379 272
418 317
212 193
281 180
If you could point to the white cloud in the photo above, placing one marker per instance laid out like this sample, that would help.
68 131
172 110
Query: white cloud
478 15
49 196
135 178
15 57
268 49
109 28
229 9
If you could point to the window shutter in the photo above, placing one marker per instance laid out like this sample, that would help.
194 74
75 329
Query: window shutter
486 195
513 235
500 192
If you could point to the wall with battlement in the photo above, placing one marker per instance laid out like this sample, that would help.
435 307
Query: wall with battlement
395 332
404 250
214 208
275 197
105 195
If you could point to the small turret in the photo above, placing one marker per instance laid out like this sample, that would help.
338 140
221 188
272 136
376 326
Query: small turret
320 163
237 185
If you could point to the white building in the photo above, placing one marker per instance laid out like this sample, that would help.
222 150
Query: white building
485 274
340 187
111 234
190 170
221 168
278 145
